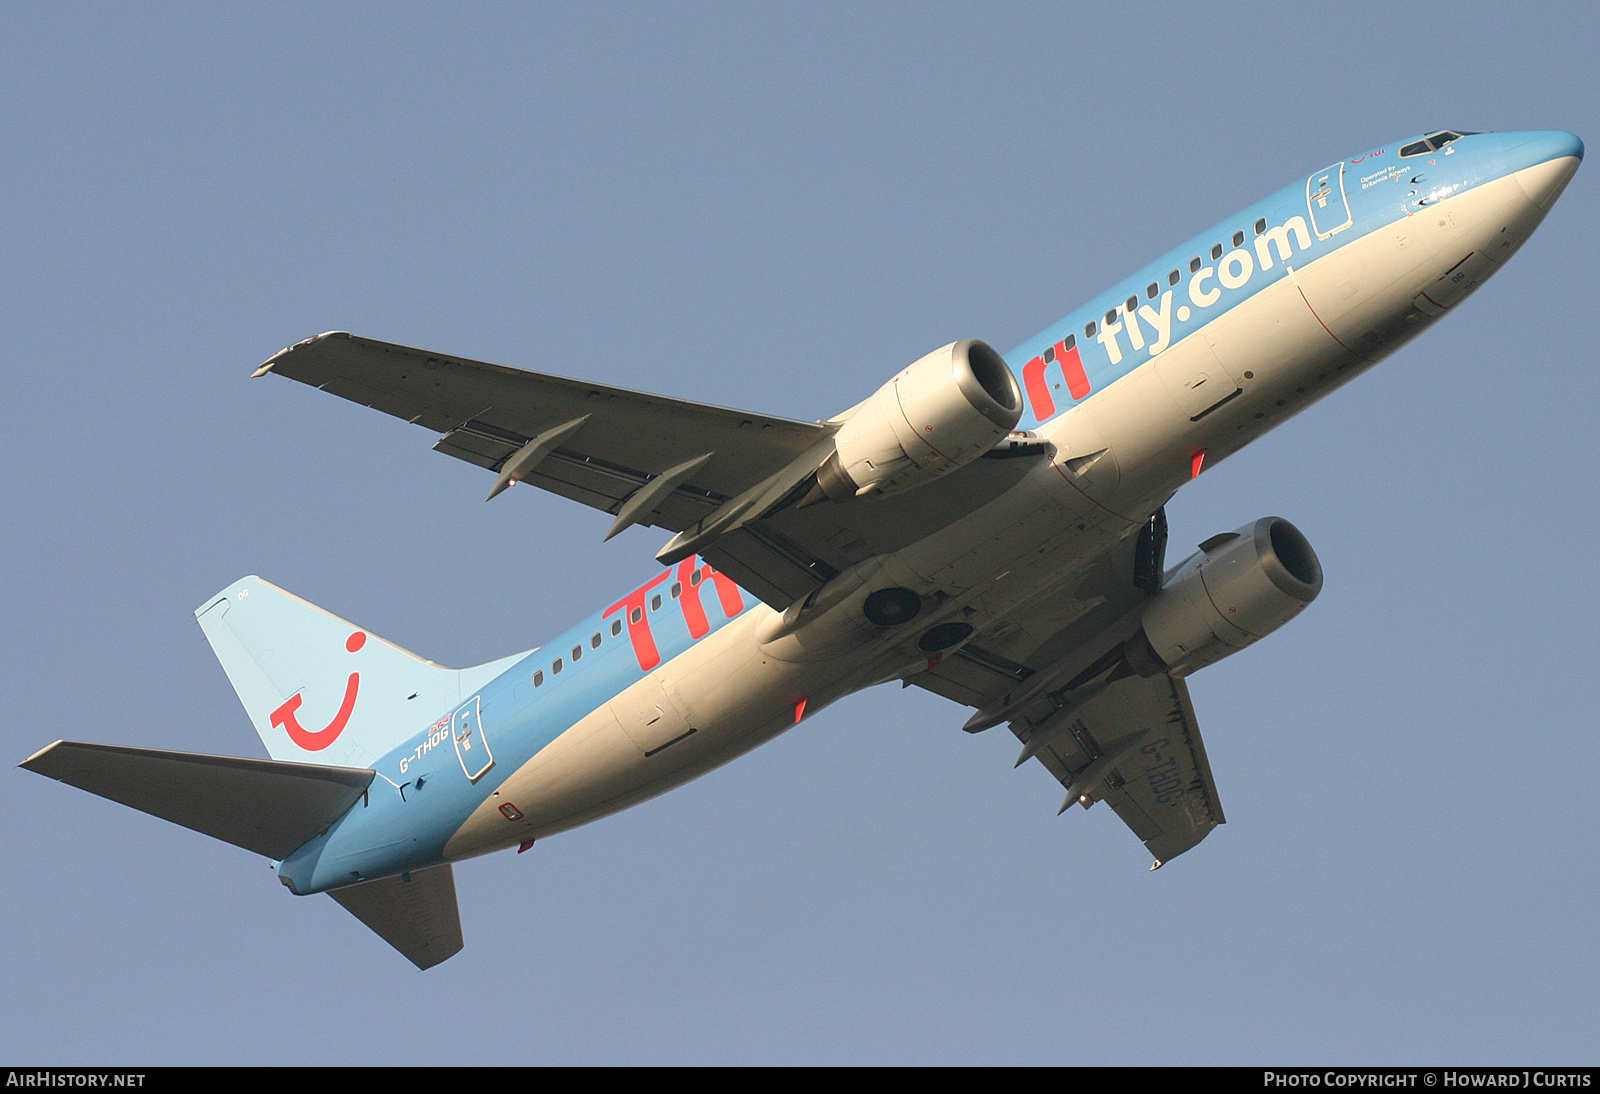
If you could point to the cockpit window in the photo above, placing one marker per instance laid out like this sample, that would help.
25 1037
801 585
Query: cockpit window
1432 143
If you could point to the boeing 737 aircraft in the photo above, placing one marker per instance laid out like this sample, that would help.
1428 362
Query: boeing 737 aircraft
986 527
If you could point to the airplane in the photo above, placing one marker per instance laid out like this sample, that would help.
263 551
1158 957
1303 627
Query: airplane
988 527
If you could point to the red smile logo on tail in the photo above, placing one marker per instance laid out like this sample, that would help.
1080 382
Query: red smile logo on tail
316 740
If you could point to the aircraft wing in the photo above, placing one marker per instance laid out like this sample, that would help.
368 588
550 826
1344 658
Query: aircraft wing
647 459
1137 747
1054 671
486 414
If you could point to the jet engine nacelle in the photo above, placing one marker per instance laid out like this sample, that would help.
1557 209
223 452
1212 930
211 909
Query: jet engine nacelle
1239 587
942 412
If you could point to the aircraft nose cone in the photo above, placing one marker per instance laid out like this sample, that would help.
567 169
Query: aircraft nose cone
1544 161
1534 147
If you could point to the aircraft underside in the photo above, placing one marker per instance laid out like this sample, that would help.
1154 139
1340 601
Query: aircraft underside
1002 544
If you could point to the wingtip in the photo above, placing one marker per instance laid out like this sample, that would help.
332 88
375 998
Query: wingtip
271 362
24 764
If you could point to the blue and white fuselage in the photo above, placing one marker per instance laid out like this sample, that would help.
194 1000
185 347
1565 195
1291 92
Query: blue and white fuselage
1170 369
988 528
424 793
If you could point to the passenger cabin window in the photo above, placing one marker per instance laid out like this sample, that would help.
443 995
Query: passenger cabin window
1261 225
556 666
1072 340
594 641
1111 316
1174 277
1194 265
635 615
676 590
1150 290
655 603
1238 239
616 627
1088 329
1131 303
694 579
1216 251
577 654
538 679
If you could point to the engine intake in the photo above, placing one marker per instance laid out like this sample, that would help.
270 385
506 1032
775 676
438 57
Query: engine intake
940 413
1237 589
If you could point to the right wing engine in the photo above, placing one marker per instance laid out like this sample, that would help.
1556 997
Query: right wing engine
1101 702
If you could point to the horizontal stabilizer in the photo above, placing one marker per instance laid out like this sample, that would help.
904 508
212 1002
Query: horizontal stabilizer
265 806
415 913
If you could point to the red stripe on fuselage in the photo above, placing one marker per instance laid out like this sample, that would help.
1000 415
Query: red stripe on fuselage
644 643
1038 388
728 593
694 612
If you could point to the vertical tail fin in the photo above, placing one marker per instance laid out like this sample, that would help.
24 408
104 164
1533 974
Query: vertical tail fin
320 689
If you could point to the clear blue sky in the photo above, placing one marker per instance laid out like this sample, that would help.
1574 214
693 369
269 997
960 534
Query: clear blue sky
775 207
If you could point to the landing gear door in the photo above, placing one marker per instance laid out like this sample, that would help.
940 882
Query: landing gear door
1325 198
472 745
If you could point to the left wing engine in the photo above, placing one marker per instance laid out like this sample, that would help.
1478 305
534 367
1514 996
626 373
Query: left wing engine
939 413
